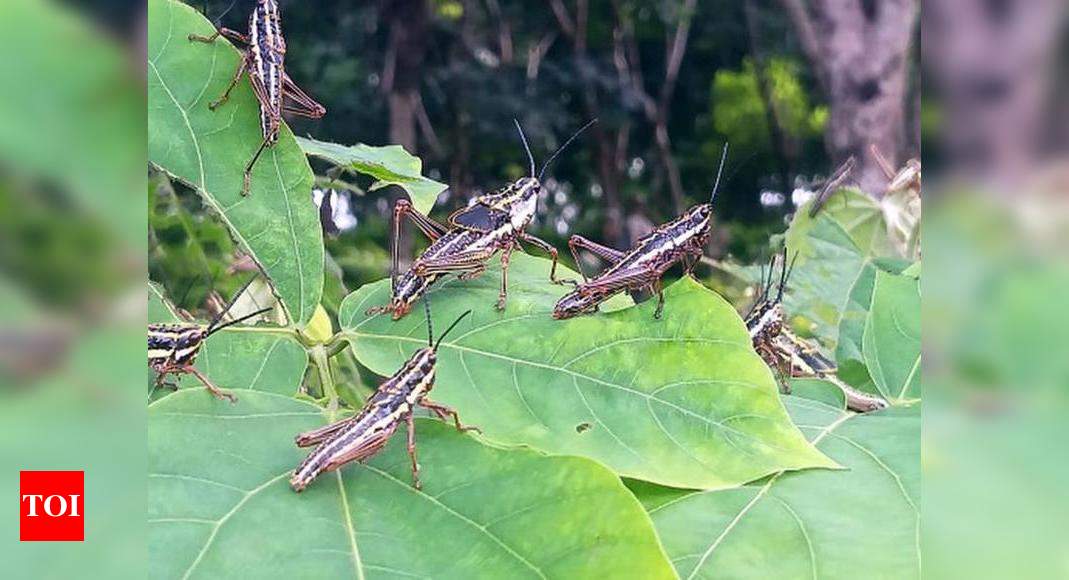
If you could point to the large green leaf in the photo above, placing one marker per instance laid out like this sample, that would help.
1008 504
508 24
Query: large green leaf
220 504
390 165
682 401
892 339
247 359
278 223
863 522
260 359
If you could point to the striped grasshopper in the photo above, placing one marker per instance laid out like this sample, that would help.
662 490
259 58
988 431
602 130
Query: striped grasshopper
493 222
361 436
787 353
173 347
680 240
264 61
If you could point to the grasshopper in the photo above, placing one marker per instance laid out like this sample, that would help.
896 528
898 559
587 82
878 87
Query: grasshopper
360 437
788 354
493 222
264 61
680 240
173 347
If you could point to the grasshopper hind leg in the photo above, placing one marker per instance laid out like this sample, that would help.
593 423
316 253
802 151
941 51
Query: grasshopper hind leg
214 390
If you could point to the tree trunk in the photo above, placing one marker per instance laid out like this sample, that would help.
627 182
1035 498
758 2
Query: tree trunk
859 49
401 79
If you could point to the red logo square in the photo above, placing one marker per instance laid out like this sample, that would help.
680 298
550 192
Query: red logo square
52 506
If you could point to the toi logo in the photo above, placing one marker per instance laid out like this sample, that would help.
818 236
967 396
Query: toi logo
51 506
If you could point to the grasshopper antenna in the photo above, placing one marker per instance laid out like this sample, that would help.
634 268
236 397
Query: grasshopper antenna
451 326
430 330
561 148
215 321
527 147
719 171
213 329
219 19
787 269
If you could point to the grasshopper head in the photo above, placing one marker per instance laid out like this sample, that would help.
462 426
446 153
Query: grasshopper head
407 290
574 303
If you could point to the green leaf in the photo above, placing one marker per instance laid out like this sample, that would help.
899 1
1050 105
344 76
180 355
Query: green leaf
160 308
682 401
831 286
247 359
220 504
277 223
858 214
863 522
892 340
819 390
390 165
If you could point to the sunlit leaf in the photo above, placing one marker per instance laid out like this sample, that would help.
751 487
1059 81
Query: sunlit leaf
220 504
682 401
390 165
862 522
277 222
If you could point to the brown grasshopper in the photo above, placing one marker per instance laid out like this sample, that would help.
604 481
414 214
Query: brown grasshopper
680 240
360 437
173 347
493 222
264 61
788 354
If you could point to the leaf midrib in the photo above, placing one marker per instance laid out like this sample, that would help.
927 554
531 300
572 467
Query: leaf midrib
595 380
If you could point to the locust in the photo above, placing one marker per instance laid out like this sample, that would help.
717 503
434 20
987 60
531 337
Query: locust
361 436
173 347
492 223
264 61
787 353
680 240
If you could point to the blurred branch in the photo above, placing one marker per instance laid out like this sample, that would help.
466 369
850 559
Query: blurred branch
807 35
567 25
537 52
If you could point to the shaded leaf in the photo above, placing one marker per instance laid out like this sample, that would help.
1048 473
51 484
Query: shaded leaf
892 340
863 522
220 504
390 165
277 222
682 401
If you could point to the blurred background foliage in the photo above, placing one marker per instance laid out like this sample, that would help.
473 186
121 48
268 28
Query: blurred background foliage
669 82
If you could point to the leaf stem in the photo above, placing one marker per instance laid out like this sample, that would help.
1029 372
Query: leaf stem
321 361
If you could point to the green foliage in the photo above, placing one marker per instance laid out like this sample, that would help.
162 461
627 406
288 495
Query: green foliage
860 522
840 252
390 165
735 479
740 112
892 340
220 504
683 401
208 150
